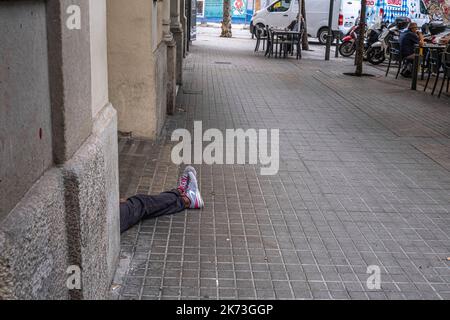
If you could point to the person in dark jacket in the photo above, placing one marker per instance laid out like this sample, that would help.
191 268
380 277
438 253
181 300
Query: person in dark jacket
409 39
142 206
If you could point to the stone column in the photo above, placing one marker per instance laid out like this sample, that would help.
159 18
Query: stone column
177 31
105 127
183 22
84 140
171 58
166 21
136 66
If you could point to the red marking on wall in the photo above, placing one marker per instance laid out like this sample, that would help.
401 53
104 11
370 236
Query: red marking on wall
40 133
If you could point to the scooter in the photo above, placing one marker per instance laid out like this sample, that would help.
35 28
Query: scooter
374 33
377 52
348 45
436 32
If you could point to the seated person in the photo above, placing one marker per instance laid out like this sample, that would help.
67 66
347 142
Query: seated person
186 196
408 39
295 24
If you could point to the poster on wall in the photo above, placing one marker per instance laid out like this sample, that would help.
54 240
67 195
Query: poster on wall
394 3
421 11
373 10
438 10
239 9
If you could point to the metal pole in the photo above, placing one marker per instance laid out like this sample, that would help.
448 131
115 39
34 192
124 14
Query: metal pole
336 54
415 69
330 32
246 12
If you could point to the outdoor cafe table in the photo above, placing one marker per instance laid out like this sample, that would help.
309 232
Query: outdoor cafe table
281 33
417 55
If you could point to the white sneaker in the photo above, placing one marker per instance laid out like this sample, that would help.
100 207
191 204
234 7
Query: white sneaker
193 193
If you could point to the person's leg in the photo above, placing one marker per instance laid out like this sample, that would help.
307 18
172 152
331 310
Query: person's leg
139 207
142 206
407 66
410 57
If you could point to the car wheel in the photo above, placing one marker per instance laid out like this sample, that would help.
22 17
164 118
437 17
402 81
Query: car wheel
322 35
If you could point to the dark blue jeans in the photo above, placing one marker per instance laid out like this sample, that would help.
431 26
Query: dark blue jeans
144 206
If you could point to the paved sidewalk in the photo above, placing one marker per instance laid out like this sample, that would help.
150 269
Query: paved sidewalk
364 180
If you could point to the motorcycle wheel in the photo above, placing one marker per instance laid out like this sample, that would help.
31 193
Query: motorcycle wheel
347 49
375 56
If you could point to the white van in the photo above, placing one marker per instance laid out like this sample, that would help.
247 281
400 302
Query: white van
280 13
349 12
317 14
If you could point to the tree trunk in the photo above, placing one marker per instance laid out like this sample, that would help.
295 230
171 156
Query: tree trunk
305 43
226 21
360 45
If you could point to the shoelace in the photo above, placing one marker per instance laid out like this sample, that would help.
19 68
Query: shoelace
183 182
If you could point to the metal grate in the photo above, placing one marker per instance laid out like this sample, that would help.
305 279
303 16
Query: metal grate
191 91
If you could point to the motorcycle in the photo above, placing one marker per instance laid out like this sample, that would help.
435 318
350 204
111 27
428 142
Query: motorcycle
377 52
374 33
348 45
436 32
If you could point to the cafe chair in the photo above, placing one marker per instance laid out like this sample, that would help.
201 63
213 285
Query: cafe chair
395 56
261 36
446 66
286 45
433 66
269 46
298 41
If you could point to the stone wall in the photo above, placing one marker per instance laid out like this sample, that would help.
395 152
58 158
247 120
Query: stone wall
58 133
105 126
25 116
66 212
33 243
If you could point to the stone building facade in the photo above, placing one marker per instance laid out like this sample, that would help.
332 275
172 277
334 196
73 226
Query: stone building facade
144 66
73 73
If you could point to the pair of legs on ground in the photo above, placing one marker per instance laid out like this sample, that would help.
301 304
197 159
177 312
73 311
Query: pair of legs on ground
403 63
142 206
139 207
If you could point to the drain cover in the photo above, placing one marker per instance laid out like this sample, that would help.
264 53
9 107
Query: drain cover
191 91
